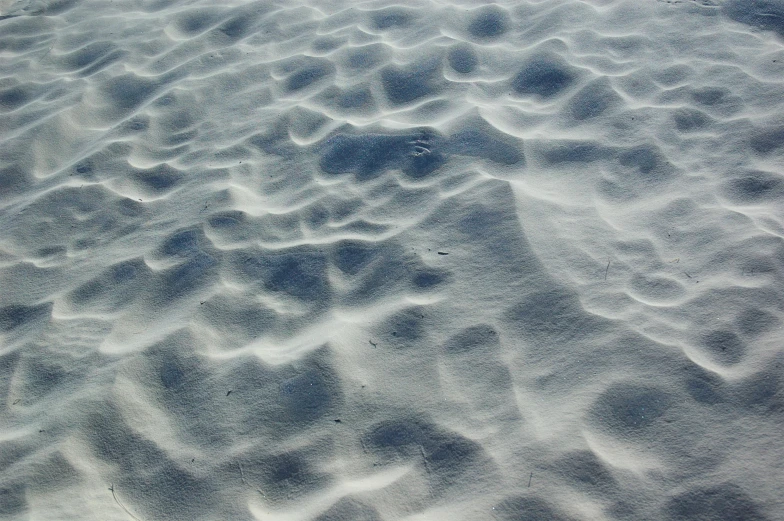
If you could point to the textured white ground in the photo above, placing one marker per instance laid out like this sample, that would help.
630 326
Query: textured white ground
375 261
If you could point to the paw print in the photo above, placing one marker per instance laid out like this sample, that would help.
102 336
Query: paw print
421 146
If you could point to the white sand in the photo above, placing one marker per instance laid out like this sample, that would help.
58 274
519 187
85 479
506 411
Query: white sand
410 261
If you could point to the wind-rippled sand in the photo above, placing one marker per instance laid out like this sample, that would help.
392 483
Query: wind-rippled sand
342 261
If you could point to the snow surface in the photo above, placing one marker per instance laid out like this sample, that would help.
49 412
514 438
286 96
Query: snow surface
372 261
